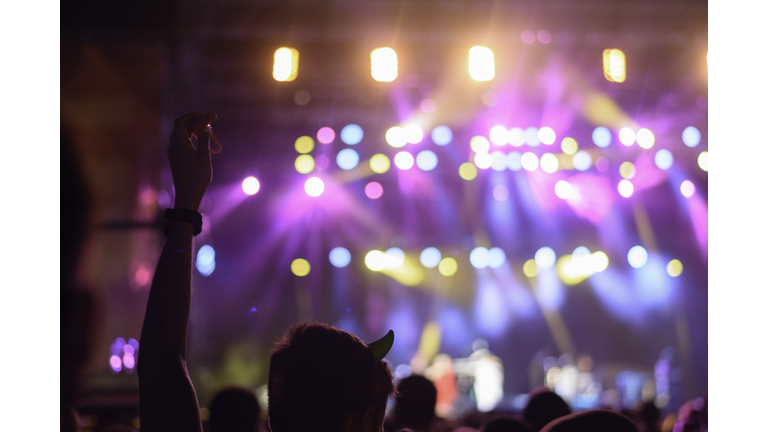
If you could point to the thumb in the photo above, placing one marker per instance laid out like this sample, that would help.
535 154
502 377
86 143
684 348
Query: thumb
203 138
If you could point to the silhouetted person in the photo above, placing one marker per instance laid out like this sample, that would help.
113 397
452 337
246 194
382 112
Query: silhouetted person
543 407
415 404
234 409
504 423
592 421
648 417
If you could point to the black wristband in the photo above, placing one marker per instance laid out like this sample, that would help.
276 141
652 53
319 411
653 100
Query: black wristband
192 217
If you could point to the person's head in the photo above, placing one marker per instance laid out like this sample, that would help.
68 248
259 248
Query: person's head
543 407
648 415
504 423
325 380
592 421
234 409
416 399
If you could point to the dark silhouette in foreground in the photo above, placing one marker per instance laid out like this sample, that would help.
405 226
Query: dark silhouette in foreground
415 404
234 409
592 421
543 407
504 423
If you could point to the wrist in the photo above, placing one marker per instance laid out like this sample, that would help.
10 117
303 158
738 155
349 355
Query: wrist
186 204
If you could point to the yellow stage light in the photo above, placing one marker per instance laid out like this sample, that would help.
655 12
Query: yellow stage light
304 164
481 66
304 144
530 268
467 171
286 64
300 267
384 64
448 266
380 163
569 146
614 65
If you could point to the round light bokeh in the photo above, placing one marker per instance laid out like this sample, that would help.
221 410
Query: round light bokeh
498 135
499 161
531 136
430 257
703 161
326 135
547 135
479 257
314 187
601 136
483 160
496 258
413 134
563 189
687 188
340 257
442 135
627 136
375 260
545 257
467 171
516 137
352 134
637 256
251 185
664 159
304 164
395 137
374 190
347 159
404 160
626 188
549 163
380 163
582 160
645 138
691 136
500 193
569 146
479 144
426 160
304 144
514 161
529 161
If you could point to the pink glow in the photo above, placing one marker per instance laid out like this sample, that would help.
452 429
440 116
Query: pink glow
528 36
321 162
373 190
404 160
428 105
326 135
143 275
648 174
700 219
129 361
545 36
115 363
601 164
591 196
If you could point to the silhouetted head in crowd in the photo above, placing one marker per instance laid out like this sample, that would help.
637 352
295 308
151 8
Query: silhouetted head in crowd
326 380
234 409
543 407
648 416
592 421
416 399
504 423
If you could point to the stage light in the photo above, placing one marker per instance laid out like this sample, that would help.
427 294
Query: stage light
426 160
479 144
637 256
374 190
582 160
384 64
375 260
549 163
601 136
314 187
569 145
430 257
206 260
496 258
479 257
547 135
396 137
514 161
500 192
395 257
691 136
304 144
321 162
483 160
448 266
528 37
582 257
286 65
302 97
599 261
544 37
404 160
427 105
626 188
467 171
413 134
133 343
529 161
703 161
115 363
687 188
304 164
499 135
645 138
129 361
352 134
627 170
674 268
340 257
481 66
614 65
563 189
627 136
499 162
664 159
251 185
380 163
545 257
530 268
347 159
326 135
516 137
531 137
300 267
442 135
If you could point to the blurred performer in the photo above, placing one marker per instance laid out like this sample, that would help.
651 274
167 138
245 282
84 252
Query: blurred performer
442 375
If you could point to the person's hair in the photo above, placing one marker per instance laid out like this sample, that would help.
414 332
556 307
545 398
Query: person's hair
543 407
416 399
319 376
592 421
504 423
234 409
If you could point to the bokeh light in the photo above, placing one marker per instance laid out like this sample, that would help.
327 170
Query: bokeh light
691 136
395 257
627 136
528 37
514 161
467 171
483 160
314 187
300 267
304 164
413 134
614 65
384 64
481 65
627 170
687 188
404 160
569 145
380 163
375 260
549 163
448 266
479 144
582 160
129 361
286 65
529 161
664 159
206 260
498 135
396 137
326 135
479 257
675 268
251 185
430 257
531 136
442 135
304 144
563 189
601 136
426 160
352 134
374 190
703 161
427 105
516 137
599 261
602 164
116 363
339 257
645 138
530 268
581 256
626 188
321 162
547 135
545 257
500 193
637 256
499 162
496 258
347 159
544 36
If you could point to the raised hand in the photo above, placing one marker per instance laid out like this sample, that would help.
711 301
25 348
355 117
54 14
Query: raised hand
190 167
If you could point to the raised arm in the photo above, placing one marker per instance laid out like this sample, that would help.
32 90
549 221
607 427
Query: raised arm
167 399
